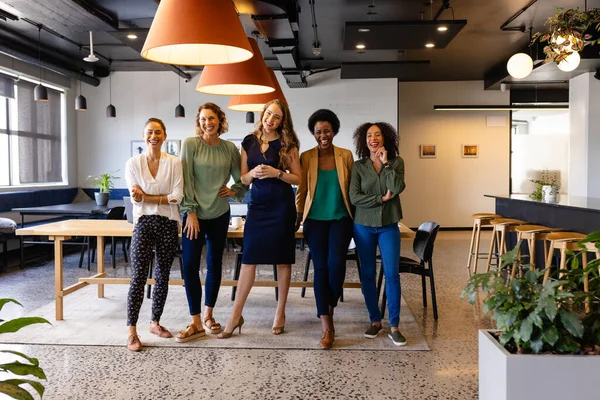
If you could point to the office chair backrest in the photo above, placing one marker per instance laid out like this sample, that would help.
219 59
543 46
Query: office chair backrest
425 239
116 213
128 208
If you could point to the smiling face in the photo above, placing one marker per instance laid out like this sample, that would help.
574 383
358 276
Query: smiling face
272 118
323 134
209 122
154 136
374 138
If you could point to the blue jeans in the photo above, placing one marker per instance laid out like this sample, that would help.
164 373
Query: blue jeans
367 239
213 232
328 243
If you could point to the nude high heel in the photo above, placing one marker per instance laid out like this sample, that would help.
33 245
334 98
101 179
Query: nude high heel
227 335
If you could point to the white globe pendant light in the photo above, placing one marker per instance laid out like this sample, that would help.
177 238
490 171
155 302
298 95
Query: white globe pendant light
570 63
519 65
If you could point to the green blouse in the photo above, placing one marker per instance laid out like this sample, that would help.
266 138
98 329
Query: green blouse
328 203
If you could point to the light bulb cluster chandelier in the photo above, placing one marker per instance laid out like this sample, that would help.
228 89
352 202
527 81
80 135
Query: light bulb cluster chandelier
183 33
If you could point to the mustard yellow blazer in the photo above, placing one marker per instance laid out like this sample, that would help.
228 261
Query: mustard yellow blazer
309 161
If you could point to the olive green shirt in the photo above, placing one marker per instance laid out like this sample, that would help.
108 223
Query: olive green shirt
205 170
367 188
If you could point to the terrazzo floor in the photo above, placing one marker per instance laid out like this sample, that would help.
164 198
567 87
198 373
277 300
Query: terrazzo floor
448 371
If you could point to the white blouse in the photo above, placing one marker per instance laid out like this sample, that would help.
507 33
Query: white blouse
168 180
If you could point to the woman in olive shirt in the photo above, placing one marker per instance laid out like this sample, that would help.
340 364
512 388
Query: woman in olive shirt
208 163
377 180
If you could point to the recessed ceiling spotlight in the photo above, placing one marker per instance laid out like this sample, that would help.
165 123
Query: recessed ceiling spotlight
132 36
442 28
360 46
364 30
429 45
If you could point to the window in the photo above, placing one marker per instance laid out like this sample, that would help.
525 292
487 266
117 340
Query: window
31 148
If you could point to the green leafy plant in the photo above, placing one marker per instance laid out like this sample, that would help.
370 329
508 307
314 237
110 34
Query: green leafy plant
534 317
13 387
104 182
546 178
568 32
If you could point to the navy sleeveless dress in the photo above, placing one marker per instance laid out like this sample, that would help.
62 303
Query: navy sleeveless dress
269 236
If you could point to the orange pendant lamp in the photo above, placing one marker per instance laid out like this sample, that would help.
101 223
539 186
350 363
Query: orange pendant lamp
248 77
256 102
196 32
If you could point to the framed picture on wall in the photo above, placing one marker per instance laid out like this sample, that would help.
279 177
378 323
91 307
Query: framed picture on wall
137 147
172 147
428 151
470 151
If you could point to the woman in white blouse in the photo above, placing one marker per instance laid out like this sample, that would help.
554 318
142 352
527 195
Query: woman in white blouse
155 182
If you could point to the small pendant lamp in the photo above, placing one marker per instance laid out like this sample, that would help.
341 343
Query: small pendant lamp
249 117
111 111
196 32
256 102
80 101
179 110
248 77
40 93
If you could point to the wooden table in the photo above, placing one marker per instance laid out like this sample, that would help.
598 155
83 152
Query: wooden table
64 230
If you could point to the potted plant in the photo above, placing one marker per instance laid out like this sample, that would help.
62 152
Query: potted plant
103 183
568 32
10 385
544 338
547 178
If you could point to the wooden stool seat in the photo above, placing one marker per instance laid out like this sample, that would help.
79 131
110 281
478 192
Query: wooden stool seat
479 220
535 229
507 221
565 236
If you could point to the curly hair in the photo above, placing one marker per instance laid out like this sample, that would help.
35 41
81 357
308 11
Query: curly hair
223 124
390 139
324 115
158 121
286 132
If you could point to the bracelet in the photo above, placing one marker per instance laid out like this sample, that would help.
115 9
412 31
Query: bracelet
160 199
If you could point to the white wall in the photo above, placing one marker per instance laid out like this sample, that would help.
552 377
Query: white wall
104 144
449 188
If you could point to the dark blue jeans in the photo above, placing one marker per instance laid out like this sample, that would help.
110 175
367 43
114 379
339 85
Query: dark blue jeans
328 243
387 238
213 232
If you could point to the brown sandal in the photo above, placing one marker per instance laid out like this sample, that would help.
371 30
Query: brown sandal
210 325
133 343
189 333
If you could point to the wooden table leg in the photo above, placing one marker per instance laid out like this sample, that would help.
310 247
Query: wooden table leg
58 277
100 262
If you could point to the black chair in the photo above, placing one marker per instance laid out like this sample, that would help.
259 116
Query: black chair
423 248
115 213
351 255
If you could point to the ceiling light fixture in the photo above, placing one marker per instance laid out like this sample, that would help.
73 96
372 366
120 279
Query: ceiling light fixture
40 93
514 107
91 57
363 30
360 46
249 117
429 45
570 63
179 110
257 102
80 101
519 66
132 36
442 28
196 32
248 77
111 111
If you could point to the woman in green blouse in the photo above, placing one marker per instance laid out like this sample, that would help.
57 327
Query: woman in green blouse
208 163
377 180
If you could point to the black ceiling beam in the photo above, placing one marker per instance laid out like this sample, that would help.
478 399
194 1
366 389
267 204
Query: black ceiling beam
102 15
521 28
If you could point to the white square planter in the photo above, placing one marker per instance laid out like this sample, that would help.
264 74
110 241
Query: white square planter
505 376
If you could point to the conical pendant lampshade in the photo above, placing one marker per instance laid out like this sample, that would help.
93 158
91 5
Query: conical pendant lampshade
248 77
256 102
80 101
196 32
179 110
40 93
111 111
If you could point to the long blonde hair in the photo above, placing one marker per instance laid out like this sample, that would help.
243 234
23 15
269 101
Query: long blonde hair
286 132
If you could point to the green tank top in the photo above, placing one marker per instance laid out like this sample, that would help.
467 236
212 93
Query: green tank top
328 203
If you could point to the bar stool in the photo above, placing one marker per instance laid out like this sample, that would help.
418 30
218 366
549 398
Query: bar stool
532 233
502 226
479 220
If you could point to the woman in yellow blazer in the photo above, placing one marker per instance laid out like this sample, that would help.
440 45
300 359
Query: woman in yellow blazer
322 202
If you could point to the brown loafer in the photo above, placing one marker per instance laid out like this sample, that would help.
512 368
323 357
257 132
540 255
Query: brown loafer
327 339
133 343
160 331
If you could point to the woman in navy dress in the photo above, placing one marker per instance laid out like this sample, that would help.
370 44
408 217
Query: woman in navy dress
271 164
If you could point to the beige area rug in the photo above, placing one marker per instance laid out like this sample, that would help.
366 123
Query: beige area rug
102 322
